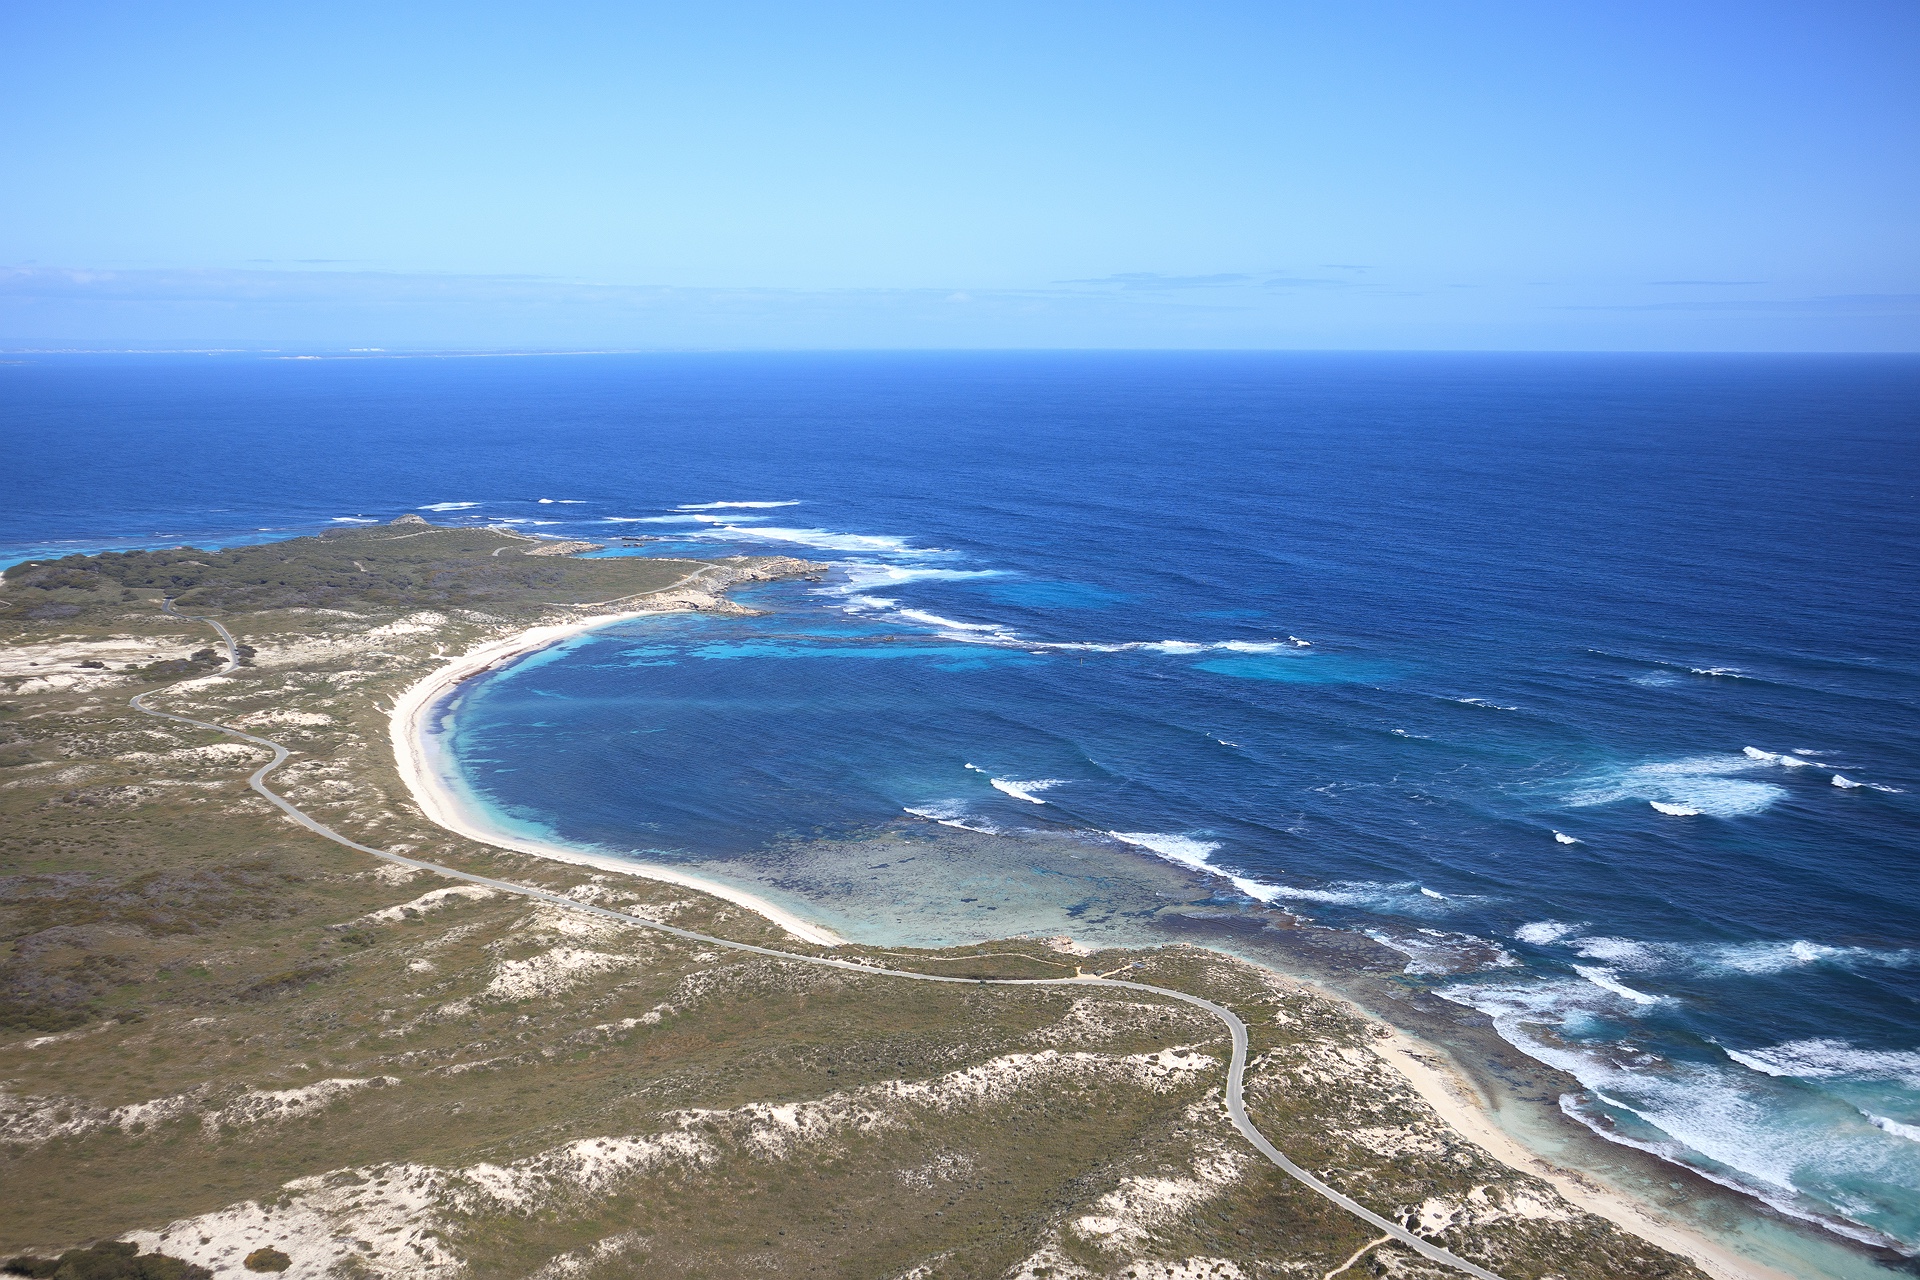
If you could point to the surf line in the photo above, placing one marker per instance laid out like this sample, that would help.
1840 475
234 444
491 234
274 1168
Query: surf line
1236 1029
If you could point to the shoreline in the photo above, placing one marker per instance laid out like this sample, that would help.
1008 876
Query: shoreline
1459 1104
407 731
1427 1066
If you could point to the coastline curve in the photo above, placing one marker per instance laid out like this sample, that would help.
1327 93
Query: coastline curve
407 725
491 655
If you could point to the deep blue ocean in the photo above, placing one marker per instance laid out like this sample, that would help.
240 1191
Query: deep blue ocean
1589 683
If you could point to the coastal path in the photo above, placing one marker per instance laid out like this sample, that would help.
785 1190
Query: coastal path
1236 1069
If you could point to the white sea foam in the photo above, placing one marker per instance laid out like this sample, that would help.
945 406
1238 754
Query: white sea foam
859 577
1832 1059
1199 646
953 815
1688 787
1025 790
1780 957
1622 951
1717 959
1543 933
1605 980
1176 647
1175 848
1190 851
821 540
1431 951
355 520
924 618
1754 1137
714 506
1482 702
1911 1132
1405 898
1776 957
1771 1187
1731 672
1008 638
1797 759
1429 893
1561 837
450 506
1749 1061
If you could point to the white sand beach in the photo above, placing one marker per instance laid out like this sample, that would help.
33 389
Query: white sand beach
407 726
1445 1088
1452 1095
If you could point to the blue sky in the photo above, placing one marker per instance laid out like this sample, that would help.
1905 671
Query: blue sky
1350 175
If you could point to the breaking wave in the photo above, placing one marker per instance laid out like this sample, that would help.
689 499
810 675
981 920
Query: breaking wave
715 506
1604 979
1689 787
864 577
1189 851
1025 790
820 540
1802 1152
1911 1132
1543 933
1710 959
1432 952
1831 1060
952 815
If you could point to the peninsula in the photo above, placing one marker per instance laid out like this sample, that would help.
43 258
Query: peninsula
268 1007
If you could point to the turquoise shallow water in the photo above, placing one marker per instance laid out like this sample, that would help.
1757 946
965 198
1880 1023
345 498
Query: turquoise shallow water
1604 717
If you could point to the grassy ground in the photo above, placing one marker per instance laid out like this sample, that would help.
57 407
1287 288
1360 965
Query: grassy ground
219 1027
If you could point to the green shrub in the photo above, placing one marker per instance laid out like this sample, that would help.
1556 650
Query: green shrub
108 1260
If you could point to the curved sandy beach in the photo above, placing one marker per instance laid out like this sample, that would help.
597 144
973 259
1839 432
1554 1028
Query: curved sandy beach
1451 1095
407 727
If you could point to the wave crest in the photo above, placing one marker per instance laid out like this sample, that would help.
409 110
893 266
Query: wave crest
1690 787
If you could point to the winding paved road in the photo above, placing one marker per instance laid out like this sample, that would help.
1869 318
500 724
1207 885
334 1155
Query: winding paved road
1236 1069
